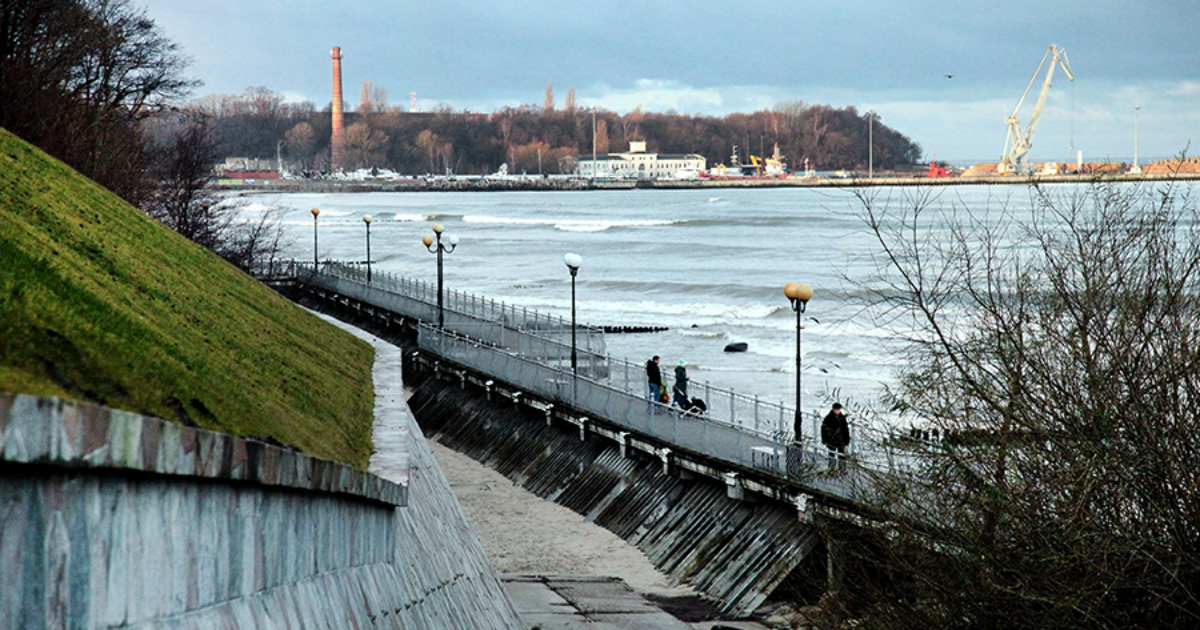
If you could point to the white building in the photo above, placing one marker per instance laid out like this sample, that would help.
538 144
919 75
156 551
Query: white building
638 164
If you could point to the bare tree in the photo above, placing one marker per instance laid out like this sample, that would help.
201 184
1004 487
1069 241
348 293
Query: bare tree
365 106
75 77
602 136
301 141
445 153
379 98
548 106
184 200
428 142
364 146
1053 349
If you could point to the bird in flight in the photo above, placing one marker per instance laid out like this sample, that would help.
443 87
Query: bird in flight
949 76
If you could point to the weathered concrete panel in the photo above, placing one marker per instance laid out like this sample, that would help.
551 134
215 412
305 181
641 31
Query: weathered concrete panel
735 551
113 519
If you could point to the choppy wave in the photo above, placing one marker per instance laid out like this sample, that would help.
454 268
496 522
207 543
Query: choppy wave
718 266
569 225
326 213
251 206
700 312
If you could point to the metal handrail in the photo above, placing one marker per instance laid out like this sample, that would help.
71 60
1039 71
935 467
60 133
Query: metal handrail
870 451
848 476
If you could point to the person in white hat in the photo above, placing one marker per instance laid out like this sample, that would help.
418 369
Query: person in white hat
681 383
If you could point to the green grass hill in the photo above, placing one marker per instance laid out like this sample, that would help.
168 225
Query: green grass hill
100 303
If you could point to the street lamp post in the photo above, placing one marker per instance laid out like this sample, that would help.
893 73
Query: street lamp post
870 143
799 295
1136 168
315 212
573 261
439 249
367 222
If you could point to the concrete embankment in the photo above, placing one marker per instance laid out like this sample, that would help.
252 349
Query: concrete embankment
560 184
112 519
736 551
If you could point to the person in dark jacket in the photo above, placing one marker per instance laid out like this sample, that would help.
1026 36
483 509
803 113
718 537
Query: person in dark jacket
681 383
654 379
835 434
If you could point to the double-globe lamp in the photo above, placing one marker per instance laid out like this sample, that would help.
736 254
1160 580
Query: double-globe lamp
799 295
439 249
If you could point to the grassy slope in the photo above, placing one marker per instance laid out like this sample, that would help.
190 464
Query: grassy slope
100 303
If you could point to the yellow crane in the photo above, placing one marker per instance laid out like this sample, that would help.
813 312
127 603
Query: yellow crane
1016 146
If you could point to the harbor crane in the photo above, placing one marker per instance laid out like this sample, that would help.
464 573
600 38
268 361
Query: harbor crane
1016 146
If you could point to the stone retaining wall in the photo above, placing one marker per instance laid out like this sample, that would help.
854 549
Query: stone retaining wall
112 519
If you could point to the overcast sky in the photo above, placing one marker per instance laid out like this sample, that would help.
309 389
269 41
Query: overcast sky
717 57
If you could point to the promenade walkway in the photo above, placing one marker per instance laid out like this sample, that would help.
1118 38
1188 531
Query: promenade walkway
559 601
526 350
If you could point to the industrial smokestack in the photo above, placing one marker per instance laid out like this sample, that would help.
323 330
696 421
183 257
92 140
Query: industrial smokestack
338 139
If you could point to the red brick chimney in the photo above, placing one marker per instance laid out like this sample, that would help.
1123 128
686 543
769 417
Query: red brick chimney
338 139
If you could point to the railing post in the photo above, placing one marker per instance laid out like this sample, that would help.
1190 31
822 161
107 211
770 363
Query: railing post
732 407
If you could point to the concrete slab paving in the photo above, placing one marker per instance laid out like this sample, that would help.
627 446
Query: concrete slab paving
555 602
584 602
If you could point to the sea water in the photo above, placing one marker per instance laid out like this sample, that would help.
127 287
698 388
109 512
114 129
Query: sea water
709 265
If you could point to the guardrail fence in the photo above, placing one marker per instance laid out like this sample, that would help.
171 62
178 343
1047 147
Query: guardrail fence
531 350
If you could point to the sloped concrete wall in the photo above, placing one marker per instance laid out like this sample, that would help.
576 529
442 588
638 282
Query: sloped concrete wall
737 552
111 519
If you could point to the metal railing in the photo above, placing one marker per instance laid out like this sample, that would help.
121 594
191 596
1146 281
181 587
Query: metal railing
521 346
715 435
460 307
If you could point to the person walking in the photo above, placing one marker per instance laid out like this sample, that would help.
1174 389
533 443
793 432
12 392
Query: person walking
654 379
681 383
835 434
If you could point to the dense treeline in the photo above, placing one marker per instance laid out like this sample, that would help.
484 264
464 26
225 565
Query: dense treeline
77 77
95 84
259 124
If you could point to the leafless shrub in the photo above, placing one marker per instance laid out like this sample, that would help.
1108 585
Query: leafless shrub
1054 346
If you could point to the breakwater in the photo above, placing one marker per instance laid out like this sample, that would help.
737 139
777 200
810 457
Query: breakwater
113 519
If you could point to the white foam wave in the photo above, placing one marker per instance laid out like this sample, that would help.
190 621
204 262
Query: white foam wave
252 207
336 213
414 217
699 313
568 225
583 227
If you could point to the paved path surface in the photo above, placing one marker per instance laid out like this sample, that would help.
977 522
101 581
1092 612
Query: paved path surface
548 602
571 602
566 602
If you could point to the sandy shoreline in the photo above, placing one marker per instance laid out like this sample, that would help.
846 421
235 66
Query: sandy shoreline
523 533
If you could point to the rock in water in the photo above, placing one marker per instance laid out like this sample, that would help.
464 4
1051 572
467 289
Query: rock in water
740 346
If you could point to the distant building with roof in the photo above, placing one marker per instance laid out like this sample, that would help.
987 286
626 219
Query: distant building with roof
638 164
